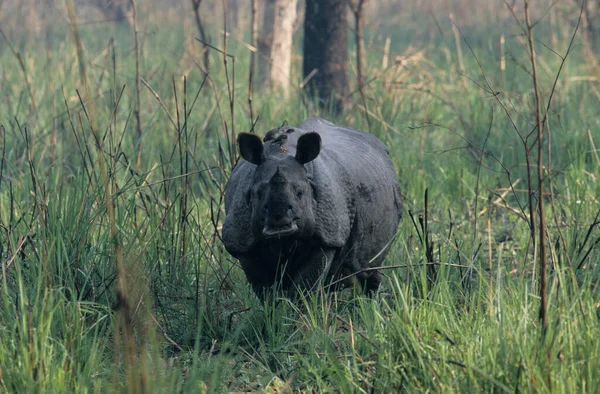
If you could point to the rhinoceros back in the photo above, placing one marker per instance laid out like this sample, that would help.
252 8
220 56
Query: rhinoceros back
354 171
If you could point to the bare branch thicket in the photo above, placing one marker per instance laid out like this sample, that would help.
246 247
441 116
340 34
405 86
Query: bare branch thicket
541 125
529 142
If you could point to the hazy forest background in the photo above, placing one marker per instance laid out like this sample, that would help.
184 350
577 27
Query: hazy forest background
117 128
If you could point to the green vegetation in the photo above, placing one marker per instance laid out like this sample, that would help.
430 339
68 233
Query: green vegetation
113 275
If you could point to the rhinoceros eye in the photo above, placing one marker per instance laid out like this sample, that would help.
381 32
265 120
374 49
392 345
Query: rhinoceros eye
299 194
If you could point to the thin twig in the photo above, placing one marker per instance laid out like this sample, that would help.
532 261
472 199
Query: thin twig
594 150
164 332
490 265
2 158
162 104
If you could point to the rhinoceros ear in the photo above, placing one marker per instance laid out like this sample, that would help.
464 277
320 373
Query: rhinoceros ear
251 148
308 147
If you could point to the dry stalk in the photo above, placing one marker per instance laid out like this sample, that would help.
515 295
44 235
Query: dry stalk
428 244
386 54
2 158
491 285
543 317
593 147
457 41
205 55
39 203
500 200
358 11
138 108
182 142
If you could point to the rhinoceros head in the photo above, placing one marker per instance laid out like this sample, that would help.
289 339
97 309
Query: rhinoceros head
281 197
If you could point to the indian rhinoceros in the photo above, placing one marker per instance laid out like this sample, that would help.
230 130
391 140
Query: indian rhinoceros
318 202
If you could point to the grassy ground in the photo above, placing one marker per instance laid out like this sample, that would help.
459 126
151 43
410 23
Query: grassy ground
113 274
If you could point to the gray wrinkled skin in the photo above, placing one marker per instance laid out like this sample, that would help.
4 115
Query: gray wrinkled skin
319 202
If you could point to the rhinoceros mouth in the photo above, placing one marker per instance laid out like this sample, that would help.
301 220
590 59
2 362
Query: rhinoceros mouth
280 232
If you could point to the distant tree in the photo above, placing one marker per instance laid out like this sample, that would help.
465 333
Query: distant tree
592 18
114 10
275 44
266 14
281 45
358 9
326 51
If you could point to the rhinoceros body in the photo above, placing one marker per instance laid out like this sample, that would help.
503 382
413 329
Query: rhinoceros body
316 202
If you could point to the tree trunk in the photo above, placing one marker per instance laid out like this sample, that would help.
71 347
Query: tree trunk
360 44
326 51
253 43
281 46
266 9
358 11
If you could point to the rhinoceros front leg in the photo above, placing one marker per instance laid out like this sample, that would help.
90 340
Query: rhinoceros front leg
313 271
259 275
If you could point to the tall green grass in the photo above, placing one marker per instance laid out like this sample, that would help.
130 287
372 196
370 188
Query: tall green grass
456 314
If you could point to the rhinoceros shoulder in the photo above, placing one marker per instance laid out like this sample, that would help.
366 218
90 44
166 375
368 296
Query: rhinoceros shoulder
236 233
